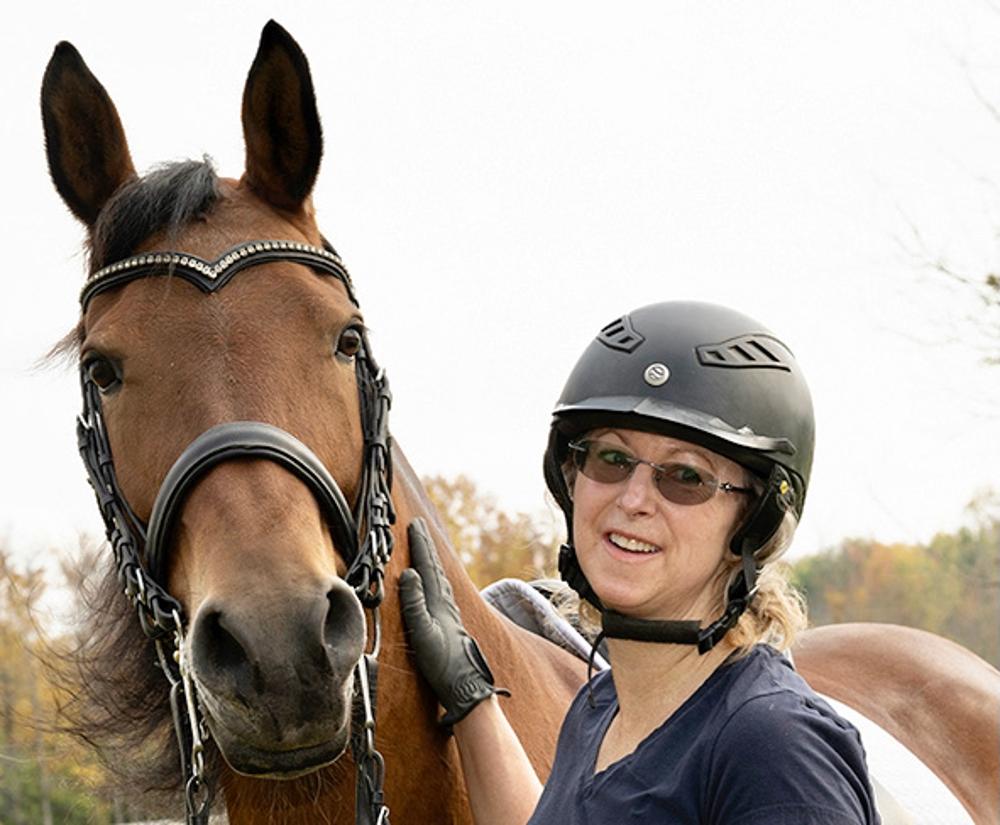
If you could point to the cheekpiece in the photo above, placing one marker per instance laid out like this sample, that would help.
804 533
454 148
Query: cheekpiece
209 276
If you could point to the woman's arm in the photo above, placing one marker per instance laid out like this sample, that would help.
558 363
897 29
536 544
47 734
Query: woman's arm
502 785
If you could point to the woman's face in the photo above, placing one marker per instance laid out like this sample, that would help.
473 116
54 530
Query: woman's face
646 556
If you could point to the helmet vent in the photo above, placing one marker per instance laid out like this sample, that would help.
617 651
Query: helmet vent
620 335
746 351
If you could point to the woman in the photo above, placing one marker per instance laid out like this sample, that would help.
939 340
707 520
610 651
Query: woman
680 453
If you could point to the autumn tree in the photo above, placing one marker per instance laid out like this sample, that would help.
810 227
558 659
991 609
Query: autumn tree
949 586
492 544
45 776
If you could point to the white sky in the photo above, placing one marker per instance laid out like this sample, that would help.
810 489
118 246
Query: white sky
504 178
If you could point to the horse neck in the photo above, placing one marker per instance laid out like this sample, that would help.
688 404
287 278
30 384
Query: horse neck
527 664
412 502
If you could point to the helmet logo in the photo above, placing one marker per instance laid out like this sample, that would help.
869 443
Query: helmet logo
656 374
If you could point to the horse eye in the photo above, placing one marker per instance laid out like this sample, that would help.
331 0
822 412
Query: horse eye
349 344
102 373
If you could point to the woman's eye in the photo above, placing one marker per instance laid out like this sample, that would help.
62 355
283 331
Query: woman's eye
688 476
349 344
102 373
615 457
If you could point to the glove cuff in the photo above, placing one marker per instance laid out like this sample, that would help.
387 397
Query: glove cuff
476 686
467 696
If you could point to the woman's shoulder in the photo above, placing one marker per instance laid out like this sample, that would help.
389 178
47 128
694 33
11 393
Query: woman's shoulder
763 689
777 732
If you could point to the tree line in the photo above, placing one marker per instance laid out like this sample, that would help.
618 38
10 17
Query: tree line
949 586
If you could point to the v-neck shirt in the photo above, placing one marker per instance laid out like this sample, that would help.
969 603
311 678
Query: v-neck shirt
753 745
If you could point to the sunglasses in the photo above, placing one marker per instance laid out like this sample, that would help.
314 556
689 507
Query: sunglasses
680 483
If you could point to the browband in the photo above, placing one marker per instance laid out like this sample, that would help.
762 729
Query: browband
209 276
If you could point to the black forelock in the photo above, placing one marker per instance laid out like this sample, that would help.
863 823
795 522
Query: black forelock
166 199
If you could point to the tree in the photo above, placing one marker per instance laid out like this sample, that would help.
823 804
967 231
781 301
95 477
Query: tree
950 586
45 776
491 543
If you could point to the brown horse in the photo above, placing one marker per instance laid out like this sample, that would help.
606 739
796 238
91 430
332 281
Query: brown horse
270 628
938 699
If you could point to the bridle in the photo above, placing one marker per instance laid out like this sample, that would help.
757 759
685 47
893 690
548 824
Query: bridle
363 535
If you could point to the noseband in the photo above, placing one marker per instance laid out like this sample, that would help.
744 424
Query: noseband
141 551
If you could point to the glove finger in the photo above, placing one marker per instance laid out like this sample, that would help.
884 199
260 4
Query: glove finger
417 618
424 558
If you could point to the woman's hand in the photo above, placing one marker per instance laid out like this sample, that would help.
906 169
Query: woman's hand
447 655
503 786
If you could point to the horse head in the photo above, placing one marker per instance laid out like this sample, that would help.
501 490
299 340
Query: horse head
273 630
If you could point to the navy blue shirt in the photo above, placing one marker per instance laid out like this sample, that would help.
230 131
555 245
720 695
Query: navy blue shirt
752 746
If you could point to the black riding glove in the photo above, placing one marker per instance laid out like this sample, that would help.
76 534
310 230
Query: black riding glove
447 655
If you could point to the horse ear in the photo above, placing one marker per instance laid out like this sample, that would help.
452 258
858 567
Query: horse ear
284 141
84 140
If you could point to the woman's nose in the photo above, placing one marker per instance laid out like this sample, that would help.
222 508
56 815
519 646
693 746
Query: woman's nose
638 494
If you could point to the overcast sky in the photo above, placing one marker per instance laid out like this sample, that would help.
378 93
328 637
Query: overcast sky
502 179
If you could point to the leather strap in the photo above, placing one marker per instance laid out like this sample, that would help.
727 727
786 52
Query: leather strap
245 439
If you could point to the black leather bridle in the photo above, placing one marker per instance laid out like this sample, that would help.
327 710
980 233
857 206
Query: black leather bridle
363 536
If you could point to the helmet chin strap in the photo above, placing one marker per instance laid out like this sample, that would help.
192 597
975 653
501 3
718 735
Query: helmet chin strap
757 529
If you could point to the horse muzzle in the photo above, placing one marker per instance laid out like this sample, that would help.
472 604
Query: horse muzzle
276 686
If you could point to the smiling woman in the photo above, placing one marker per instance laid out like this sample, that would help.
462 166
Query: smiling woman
680 453
777 612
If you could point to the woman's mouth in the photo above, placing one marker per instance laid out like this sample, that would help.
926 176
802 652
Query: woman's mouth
629 544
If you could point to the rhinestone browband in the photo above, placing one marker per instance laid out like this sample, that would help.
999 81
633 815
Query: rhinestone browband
212 275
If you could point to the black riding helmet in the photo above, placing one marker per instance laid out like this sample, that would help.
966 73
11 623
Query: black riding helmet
704 374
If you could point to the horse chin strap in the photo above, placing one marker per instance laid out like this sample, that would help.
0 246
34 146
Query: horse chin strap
363 536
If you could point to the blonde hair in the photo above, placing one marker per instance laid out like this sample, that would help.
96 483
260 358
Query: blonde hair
777 612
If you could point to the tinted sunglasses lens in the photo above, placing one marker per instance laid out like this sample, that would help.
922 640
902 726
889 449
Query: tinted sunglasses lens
603 462
684 485
611 464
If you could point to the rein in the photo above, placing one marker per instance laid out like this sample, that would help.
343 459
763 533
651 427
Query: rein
363 535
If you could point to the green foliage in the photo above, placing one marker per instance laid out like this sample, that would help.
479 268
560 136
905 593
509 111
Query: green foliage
950 586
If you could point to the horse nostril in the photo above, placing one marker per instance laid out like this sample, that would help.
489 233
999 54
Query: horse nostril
216 650
343 627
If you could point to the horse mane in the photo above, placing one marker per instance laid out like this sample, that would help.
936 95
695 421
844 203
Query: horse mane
165 200
117 697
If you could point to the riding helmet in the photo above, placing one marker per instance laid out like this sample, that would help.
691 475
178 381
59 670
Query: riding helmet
701 373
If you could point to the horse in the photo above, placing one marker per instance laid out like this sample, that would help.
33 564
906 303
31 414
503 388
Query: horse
940 700
234 429
257 563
